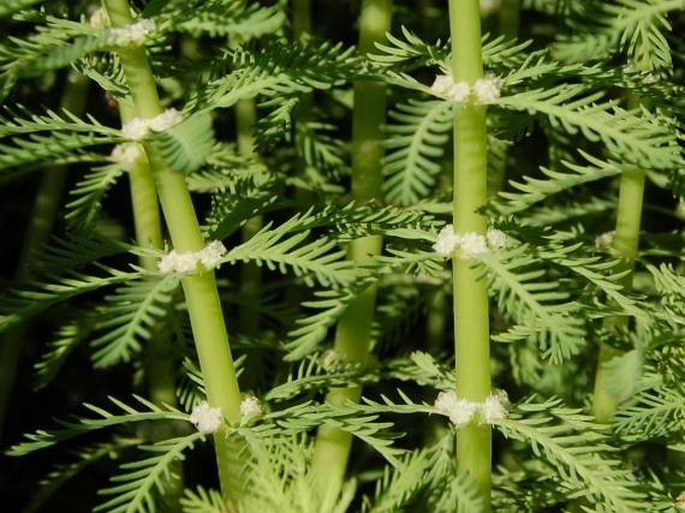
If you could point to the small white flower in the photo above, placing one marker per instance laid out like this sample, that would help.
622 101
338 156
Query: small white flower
212 254
205 418
250 409
605 240
174 262
330 360
445 87
497 239
445 402
184 263
679 502
495 407
472 245
446 242
459 92
138 129
167 119
134 34
99 18
442 85
127 154
487 89
459 411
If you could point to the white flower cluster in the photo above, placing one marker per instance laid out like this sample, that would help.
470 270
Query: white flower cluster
679 502
127 154
205 418
469 244
133 34
99 18
486 90
184 263
330 360
604 241
138 129
462 411
250 409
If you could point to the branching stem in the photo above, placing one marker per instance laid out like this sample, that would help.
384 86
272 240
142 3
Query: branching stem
471 323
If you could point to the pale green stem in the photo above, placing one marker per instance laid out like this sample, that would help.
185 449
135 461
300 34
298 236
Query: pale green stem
471 326
38 232
509 24
353 334
625 246
160 365
250 273
201 294
302 17
509 18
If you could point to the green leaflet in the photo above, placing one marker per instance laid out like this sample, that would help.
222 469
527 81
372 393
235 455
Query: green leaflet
186 146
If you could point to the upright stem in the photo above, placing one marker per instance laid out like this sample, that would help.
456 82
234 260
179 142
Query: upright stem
302 17
353 334
202 298
471 326
159 361
250 273
509 18
625 246
38 232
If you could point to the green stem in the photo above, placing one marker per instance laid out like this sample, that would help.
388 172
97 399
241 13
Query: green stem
625 246
160 364
471 326
250 273
38 232
201 294
302 17
353 334
509 18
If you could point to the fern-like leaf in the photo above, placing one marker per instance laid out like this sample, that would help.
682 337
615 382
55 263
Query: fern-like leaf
578 450
88 193
186 146
536 304
531 190
141 482
103 419
21 304
415 141
639 137
317 261
129 318
69 337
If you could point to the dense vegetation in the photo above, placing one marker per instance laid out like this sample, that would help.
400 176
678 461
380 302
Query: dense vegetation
317 257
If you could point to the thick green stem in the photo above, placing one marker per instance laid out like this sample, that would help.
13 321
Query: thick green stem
38 232
625 246
202 298
471 326
353 334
